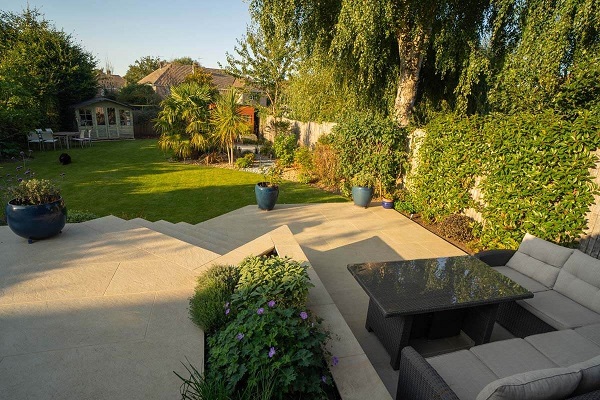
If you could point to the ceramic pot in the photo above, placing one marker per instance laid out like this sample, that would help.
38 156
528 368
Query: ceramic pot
362 195
37 221
266 196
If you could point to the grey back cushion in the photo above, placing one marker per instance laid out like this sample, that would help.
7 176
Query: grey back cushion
539 259
579 280
541 384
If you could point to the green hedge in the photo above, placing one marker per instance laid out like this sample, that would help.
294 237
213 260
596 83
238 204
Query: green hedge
534 170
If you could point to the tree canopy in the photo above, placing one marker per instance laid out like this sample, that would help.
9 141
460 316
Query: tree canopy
395 57
142 67
42 72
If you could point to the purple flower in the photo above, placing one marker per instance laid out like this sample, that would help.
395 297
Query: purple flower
227 311
324 379
22 153
303 315
27 172
20 179
271 352
19 167
226 304
240 336
334 361
271 304
260 311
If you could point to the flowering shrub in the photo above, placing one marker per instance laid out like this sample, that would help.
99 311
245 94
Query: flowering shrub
284 343
272 278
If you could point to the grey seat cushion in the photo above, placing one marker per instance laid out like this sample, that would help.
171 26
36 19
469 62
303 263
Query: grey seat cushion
591 332
539 259
579 280
513 356
528 283
559 311
590 375
565 347
463 372
545 384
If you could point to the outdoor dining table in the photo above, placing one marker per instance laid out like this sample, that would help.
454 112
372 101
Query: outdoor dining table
433 298
67 136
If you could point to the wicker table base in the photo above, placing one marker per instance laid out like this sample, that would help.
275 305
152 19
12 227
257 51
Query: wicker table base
395 332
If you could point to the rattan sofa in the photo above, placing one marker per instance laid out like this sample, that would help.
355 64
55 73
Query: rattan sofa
556 354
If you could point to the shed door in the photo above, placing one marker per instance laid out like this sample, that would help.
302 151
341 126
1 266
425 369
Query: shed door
101 128
111 115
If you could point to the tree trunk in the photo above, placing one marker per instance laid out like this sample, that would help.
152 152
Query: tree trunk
412 45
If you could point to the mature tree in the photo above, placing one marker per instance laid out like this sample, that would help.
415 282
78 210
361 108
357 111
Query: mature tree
228 122
202 77
264 58
184 119
42 73
142 67
135 93
378 46
184 61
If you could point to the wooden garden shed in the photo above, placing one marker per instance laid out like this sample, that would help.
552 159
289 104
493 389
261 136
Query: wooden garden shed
107 119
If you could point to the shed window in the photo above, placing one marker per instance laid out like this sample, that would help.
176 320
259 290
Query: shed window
125 117
112 116
85 117
100 116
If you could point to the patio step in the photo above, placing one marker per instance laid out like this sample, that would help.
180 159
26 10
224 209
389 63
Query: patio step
167 228
226 242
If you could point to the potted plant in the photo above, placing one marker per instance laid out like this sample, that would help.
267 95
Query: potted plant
267 191
362 188
387 200
36 209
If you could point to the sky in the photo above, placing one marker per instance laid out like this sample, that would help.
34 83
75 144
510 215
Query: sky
126 30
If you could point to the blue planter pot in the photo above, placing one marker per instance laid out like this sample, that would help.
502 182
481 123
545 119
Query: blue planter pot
37 222
362 195
387 204
266 196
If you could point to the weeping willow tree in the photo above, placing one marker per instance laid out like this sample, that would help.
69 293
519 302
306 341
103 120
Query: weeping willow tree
183 120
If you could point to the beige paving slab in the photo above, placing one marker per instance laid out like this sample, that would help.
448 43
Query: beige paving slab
54 280
360 380
165 247
122 371
107 224
52 325
149 275
170 315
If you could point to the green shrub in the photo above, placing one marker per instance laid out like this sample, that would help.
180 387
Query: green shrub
266 149
75 216
457 226
370 145
213 291
285 145
245 162
533 170
404 203
263 279
283 343
303 159
34 192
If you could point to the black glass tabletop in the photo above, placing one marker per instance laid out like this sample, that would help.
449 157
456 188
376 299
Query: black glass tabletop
434 284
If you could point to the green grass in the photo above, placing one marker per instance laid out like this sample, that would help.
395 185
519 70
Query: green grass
132 179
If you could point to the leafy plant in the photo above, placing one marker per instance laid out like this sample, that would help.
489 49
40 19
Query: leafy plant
325 161
303 159
371 145
227 121
213 291
457 226
404 203
34 192
285 145
245 162
286 343
363 179
76 216
263 279
272 175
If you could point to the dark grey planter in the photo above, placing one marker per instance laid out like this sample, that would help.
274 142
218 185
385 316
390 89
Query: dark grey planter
38 221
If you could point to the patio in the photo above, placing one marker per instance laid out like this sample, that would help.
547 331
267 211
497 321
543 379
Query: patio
101 310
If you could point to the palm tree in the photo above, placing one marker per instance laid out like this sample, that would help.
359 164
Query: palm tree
184 119
228 122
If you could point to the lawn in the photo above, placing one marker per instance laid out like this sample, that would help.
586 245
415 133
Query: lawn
132 179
